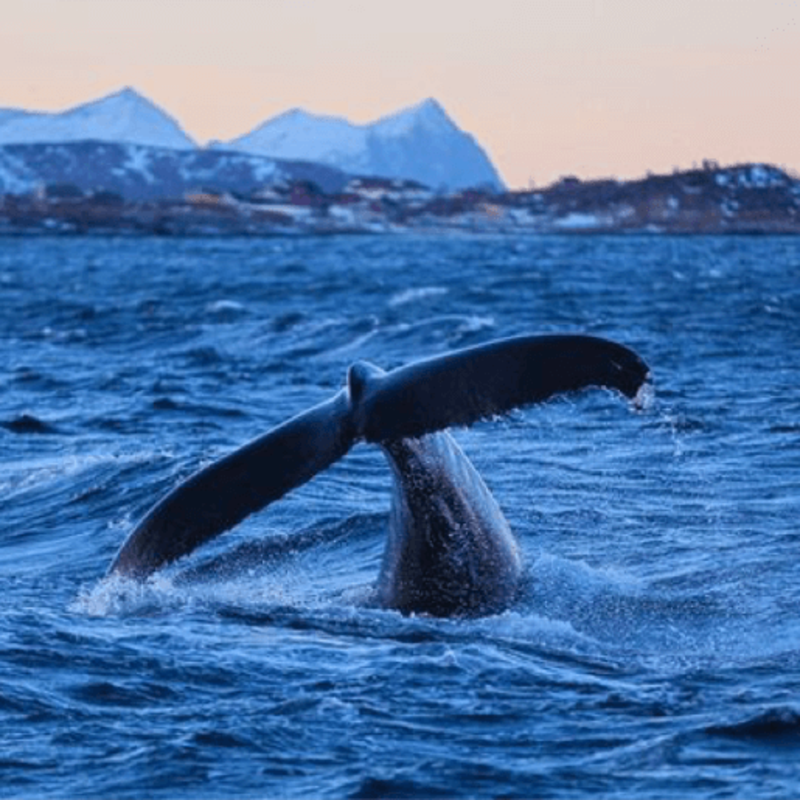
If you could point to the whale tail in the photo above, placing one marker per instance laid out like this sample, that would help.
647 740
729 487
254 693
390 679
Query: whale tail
455 389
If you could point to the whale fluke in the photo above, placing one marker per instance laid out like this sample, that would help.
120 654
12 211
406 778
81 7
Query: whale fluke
455 389
220 496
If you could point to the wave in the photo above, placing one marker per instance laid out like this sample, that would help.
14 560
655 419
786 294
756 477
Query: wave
26 424
778 725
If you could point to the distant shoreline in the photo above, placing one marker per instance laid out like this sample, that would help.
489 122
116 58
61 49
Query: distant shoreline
749 199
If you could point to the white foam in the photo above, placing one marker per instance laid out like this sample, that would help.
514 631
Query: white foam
475 323
225 307
416 294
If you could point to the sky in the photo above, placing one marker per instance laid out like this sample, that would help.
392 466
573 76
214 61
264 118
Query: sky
593 88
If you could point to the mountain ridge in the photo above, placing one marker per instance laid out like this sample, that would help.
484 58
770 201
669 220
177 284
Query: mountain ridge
419 143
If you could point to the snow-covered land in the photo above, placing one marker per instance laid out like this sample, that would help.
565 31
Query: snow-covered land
420 143
125 116
140 172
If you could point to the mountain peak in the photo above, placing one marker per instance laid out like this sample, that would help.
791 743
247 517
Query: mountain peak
428 114
429 106
127 94
294 113
126 100
123 116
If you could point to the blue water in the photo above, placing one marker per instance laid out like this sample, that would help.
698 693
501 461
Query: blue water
655 654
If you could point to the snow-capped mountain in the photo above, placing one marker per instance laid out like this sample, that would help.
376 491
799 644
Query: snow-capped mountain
421 143
125 116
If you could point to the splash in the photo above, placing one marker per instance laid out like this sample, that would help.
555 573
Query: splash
118 595
645 398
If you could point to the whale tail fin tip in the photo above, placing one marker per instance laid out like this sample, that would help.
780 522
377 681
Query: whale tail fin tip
466 386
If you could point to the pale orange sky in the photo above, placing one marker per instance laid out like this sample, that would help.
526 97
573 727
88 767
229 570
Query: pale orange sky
548 87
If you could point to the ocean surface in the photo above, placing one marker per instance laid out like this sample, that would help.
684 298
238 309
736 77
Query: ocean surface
655 653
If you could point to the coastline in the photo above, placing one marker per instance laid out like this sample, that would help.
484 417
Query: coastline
750 199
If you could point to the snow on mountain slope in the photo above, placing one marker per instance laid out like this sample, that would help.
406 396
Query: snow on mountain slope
124 116
299 135
421 143
15 175
140 172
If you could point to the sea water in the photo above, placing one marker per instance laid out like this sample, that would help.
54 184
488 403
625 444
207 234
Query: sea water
656 652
